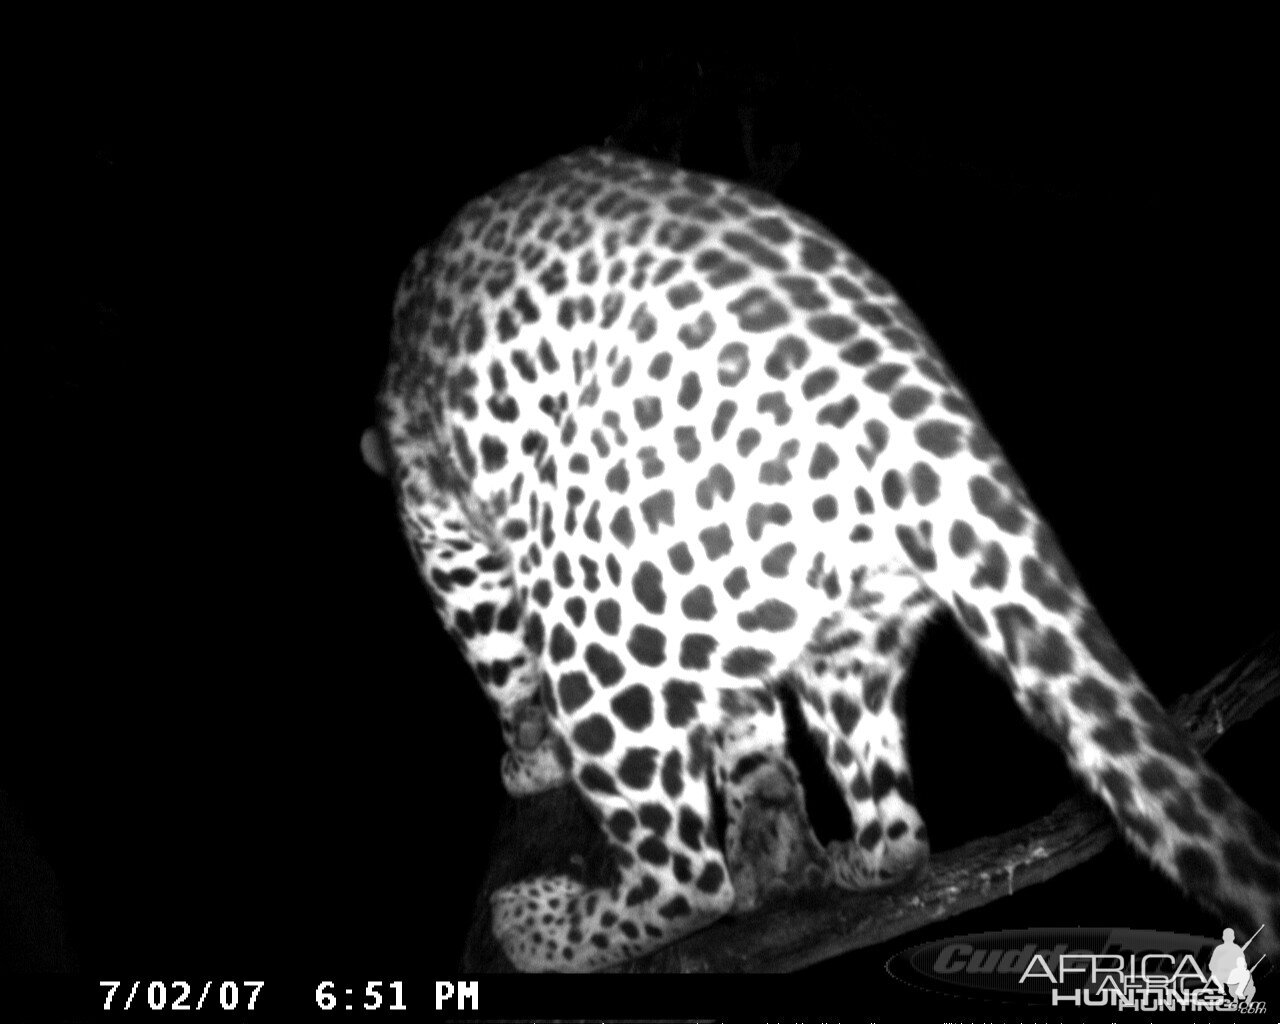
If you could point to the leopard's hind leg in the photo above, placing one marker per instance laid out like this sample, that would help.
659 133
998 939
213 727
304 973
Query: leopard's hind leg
671 877
769 844
851 683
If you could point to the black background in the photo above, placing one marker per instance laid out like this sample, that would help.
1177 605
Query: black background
234 736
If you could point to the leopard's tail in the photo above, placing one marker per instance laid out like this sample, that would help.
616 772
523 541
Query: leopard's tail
1002 573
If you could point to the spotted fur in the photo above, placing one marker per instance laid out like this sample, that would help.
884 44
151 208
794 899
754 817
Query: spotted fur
660 443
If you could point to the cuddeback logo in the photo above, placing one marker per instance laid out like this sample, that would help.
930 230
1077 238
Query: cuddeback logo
1120 968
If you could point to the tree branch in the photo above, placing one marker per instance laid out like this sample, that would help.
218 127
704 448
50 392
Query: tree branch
808 927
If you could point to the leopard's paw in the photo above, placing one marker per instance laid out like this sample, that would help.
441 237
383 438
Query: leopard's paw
526 772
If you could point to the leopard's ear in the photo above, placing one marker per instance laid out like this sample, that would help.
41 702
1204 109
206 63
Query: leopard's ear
373 450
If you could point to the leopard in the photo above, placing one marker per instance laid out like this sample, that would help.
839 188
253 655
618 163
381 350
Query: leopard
667 454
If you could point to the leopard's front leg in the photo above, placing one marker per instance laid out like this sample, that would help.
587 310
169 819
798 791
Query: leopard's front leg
531 763
483 612
473 588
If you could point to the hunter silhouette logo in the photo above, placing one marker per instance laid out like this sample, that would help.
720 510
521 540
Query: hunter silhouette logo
1230 970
